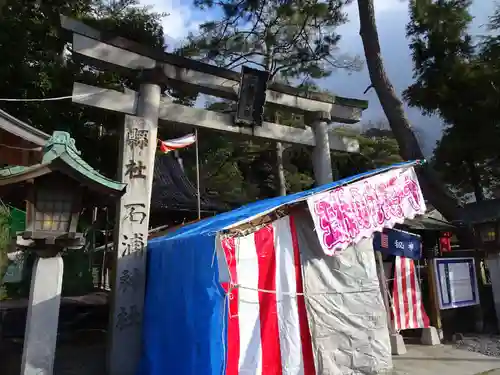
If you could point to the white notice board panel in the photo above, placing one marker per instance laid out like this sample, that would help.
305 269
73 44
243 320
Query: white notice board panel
456 282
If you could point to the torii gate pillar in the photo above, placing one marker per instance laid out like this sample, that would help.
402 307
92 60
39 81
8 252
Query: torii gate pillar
321 159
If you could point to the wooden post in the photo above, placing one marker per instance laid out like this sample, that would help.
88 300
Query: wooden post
478 310
398 346
384 289
138 147
322 162
434 298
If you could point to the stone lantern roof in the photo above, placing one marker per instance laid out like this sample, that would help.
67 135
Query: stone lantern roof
60 154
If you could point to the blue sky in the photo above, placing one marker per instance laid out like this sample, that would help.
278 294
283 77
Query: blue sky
391 15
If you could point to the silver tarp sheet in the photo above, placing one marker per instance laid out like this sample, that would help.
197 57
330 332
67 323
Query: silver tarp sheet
346 313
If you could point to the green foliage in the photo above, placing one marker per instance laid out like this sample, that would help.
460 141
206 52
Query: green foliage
36 64
457 79
377 147
77 278
129 20
292 39
440 49
236 170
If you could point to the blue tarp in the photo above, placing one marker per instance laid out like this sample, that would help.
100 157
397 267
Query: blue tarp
184 314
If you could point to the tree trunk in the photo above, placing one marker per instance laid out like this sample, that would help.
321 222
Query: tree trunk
475 179
433 189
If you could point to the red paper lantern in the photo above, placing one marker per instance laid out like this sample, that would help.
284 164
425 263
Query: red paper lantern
445 242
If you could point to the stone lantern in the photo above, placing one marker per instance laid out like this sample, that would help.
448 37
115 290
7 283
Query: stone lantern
54 191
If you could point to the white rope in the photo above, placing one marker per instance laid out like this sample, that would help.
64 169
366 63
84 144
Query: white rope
296 294
53 99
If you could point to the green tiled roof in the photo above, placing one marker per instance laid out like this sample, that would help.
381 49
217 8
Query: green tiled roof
61 148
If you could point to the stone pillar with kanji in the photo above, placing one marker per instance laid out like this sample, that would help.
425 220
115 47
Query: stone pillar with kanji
138 147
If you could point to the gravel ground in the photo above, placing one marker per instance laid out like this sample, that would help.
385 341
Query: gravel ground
485 344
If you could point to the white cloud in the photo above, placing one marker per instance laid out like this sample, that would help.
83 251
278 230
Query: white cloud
181 19
390 5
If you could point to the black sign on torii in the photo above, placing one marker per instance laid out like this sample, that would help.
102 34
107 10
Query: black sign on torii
251 97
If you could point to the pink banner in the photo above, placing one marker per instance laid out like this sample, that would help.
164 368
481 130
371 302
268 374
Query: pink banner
349 213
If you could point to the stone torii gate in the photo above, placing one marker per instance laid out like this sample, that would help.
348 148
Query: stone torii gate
144 110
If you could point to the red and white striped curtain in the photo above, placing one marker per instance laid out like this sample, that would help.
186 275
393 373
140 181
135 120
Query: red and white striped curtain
408 310
267 335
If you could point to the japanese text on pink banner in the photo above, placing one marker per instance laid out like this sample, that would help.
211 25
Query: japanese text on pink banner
346 214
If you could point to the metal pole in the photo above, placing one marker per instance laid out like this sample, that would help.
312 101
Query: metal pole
322 162
197 175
